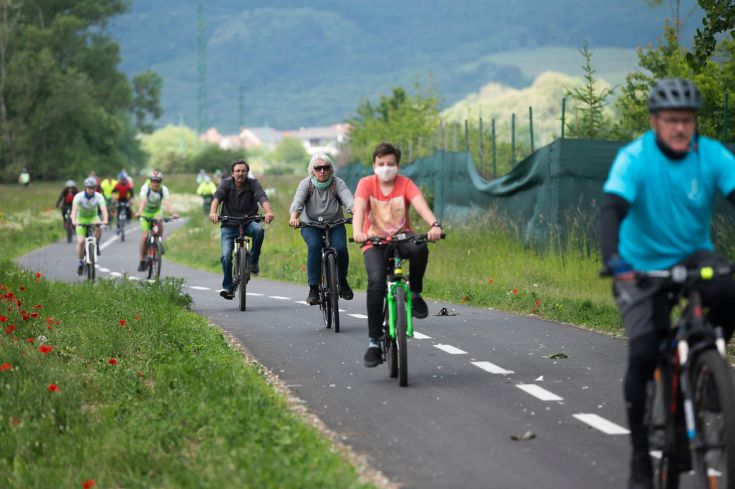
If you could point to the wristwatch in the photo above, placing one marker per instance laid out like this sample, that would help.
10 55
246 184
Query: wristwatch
436 224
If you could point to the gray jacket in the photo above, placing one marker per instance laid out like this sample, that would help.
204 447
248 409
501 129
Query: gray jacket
321 203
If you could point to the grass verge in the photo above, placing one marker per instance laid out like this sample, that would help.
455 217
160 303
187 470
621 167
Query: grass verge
119 384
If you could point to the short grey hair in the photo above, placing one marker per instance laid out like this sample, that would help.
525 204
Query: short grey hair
319 157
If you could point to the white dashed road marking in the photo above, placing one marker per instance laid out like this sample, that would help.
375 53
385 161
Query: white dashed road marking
102 269
420 336
539 392
358 316
302 302
492 368
279 297
132 277
600 423
116 274
451 349
254 294
197 287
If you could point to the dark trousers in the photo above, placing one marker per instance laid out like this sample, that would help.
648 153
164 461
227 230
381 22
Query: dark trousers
717 296
313 238
376 265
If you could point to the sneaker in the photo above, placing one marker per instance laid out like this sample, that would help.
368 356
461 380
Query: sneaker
420 309
254 269
373 357
227 294
641 472
80 269
345 291
313 298
143 266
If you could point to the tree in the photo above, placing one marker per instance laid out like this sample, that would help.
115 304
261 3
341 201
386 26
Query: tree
401 118
589 102
290 151
719 18
146 99
170 147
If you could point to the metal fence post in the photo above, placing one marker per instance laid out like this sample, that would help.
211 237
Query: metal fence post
725 117
563 114
513 140
466 136
481 145
530 125
494 151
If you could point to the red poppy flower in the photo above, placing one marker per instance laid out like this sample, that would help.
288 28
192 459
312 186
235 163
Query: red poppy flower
58 322
37 306
515 291
50 320
3 287
30 340
10 329
38 274
122 323
19 302
22 288
112 361
5 366
3 319
490 281
538 302
88 484
48 327
34 314
53 388
45 349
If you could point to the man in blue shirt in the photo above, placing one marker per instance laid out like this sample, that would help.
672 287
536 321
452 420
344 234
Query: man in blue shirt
656 213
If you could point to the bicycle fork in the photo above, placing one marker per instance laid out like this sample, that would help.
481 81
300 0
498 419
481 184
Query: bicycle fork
392 286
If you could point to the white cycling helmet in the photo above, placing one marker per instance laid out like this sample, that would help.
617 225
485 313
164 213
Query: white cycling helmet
70 183
90 182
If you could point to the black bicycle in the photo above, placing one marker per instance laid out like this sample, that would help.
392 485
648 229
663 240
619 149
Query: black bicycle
123 217
241 261
691 401
398 305
154 246
329 276
68 226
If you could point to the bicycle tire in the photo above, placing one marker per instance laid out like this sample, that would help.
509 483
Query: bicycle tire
157 262
122 218
91 257
150 255
401 340
244 258
325 304
713 399
69 230
333 291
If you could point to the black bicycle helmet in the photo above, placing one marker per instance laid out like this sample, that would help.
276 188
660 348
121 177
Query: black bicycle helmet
674 93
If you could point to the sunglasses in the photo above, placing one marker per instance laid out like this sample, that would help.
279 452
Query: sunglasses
323 168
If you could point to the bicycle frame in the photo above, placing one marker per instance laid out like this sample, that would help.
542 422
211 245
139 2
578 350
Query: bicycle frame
396 279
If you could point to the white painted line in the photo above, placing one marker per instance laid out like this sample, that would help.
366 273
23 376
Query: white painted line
102 269
279 297
302 302
600 423
420 336
358 316
253 294
539 392
116 274
492 368
108 242
197 287
450 349
342 310
132 277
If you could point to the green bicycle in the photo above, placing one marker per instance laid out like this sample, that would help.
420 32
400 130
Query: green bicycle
398 305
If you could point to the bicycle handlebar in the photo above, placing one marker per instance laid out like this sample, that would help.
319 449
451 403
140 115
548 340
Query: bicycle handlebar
680 274
154 219
397 238
325 225
243 219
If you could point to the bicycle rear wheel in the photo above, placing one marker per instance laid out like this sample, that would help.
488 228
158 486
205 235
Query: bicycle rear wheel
69 229
158 258
122 218
714 401
325 305
91 258
333 291
151 257
244 258
401 341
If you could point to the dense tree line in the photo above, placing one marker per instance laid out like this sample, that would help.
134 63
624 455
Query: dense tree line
65 108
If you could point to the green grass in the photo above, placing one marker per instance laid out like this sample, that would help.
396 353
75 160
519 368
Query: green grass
179 408
480 263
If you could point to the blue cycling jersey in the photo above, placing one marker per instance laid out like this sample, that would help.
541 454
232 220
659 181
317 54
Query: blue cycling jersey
670 200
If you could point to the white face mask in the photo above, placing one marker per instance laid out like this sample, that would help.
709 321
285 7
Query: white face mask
386 173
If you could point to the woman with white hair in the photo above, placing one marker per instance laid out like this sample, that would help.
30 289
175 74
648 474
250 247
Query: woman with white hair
320 197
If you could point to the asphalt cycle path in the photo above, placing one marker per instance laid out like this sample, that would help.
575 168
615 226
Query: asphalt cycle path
490 402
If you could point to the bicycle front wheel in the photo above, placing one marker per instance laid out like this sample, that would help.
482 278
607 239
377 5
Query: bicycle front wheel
325 304
158 258
714 401
333 291
244 258
151 257
401 341
91 259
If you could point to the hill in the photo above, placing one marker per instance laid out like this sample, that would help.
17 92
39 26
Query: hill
310 63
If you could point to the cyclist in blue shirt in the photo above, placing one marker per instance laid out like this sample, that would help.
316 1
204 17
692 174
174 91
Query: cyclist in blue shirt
656 213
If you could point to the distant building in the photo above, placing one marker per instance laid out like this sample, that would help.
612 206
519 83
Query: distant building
327 139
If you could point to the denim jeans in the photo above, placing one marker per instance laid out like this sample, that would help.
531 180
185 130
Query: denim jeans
228 235
313 238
